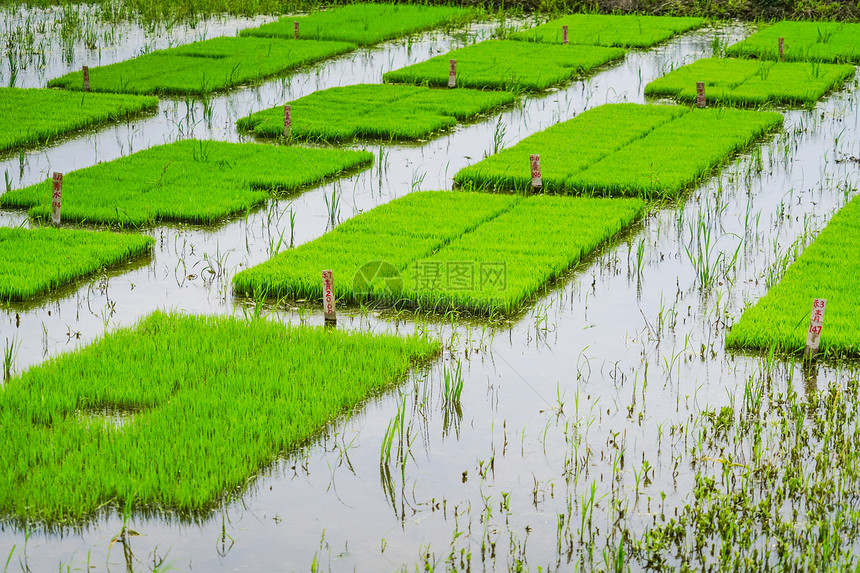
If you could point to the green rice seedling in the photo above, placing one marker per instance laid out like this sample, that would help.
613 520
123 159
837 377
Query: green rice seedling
752 82
204 67
624 149
34 261
625 31
508 65
190 180
804 41
205 403
452 384
37 116
827 269
447 250
374 111
363 24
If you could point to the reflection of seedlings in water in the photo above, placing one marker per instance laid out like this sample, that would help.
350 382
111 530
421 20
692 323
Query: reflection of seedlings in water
452 389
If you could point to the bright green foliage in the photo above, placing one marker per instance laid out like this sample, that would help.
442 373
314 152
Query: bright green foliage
752 82
626 31
507 65
804 41
190 180
624 149
34 261
374 111
33 116
827 269
363 24
179 411
203 67
468 251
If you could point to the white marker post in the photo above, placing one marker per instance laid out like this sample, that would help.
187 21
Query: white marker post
57 198
296 30
288 122
86 71
700 94
452 74
537 183
328 298
564 35
781 49
813 336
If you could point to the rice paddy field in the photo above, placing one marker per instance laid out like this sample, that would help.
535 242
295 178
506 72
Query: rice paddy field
624 31
610 424
374 111
752 82
803 42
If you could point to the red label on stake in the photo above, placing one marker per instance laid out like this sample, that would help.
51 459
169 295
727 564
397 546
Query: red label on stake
452 74
781 49
813 335
534 159
328 296
700 94
288 121
564 34
296 30
57 198
86 71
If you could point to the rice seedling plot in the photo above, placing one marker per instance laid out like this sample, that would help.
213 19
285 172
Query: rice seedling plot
203 404
203 67
374 111
624 149
827 269
804 41
752 82
34 116
605 30
447 250
192 181
34 261
507 65
363 24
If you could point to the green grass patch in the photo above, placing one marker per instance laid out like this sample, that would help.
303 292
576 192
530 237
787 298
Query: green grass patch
752 82
179 411
828 269
624 149
507 65
624 31
36 116
804 41
374 111
203 67
35 261
446 250
190 181
363 24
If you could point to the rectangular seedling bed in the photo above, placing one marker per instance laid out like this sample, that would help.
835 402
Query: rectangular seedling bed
752 82
803 42
624 149
180 411
625 31
377 111
363 24
438 251
190 181
36 116
507 65
827 269
35 261
203 67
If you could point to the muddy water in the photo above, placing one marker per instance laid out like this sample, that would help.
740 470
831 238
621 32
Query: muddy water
605 371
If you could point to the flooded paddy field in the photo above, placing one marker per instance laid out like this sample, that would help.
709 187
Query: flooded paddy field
605 427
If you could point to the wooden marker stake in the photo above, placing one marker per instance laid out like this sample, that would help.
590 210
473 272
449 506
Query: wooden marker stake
328 298
296 30
813 336
537 184
700 94
86 71
564 35
452 74
781 49
57 198
288 121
